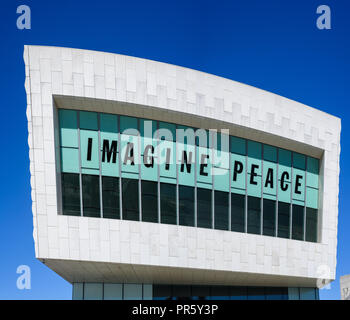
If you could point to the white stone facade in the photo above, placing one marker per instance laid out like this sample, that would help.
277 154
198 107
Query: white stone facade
92 249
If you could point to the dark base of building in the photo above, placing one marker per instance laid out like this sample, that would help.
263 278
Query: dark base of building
132 291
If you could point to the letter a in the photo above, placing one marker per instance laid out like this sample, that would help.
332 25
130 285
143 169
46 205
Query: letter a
23 281
23 21
324 20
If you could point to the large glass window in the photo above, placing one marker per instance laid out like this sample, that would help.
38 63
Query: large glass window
130 195
269 217
237 212
204 208
283 219
275 293
149 201
132 291
91 195
93 291
168 203
298 222
186 206
254 214
200 292
256 293
181 292
238 293
221 210
100 194
311 225
162 292
220 293
70 194
110 197
308 293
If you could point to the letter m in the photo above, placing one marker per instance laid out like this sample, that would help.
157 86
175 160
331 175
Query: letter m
109 151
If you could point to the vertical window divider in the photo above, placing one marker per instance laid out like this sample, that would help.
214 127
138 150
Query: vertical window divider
177 177
80 175
195 195
213 181
246 188
158 173
291 200
304 217
139 165
277 187
195 168
120 170
262 191
229 183
99 162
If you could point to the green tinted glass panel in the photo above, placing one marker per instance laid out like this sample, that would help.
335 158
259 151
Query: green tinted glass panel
204 208
128 125
88 120
221 159
270 153
312 172
109 154
168 203
130 153
254 150
148 129
221 179
70 160
149 200
108 123
254 169
237 212
254 214
284 164
270 178
298 184
312 198
238 145
89 149
68 128
298 161
186 206
167 131
185 135
221 205
70 194
238 171
311 225
110 197
149 168
297 222
283 220
167 159
254 185
186 164
91 196
204 165
130 196
269 217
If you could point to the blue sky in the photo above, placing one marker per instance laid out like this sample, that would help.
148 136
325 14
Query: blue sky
273 45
